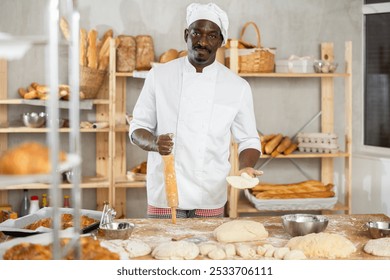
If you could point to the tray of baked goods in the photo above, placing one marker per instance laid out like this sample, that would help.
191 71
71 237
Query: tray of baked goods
305 195
42 221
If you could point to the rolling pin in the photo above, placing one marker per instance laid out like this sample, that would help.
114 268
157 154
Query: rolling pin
170 184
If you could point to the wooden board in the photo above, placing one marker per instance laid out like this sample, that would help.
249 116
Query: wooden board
155 231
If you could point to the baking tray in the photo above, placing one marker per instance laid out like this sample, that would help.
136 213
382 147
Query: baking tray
15 227
291 204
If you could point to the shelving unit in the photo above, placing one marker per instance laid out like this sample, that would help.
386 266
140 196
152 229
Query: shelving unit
237 204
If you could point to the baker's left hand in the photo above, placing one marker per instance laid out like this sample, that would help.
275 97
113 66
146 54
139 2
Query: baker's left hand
250 171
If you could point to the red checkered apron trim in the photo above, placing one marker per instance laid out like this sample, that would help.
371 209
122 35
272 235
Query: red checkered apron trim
165 213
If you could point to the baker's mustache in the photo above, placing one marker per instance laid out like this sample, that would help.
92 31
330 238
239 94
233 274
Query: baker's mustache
197 47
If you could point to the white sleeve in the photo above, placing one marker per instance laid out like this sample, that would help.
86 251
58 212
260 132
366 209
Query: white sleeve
244 129
144 113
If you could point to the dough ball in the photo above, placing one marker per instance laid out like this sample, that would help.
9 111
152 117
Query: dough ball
261 250
230 250
217 254
281 252
294 255
269 250
245 251
378 247
206 248
240 231
136 248
115 246
322 245
176 250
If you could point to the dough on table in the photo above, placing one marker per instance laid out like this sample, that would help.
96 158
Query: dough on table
240 231
126 249
281 252
230 250
270 249
322 245
176 250
244 181
136 248
217 254
294 255
378 247
261 250
245 251
206 248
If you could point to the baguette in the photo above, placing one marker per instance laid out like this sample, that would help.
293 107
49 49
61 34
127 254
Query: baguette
64 26
273 143
266 187
321 194
290 149
284 144
266 138
83 47
104 54
91 49
297 189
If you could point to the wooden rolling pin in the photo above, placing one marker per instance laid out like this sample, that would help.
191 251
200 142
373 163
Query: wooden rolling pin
170 184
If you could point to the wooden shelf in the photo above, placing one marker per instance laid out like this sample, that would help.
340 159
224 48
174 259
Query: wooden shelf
308 155
87 183
294 75
23 129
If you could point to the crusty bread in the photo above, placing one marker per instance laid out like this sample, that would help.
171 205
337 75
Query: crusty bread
290 149
126 53
91 49
83 47
169 55
27 158
271 145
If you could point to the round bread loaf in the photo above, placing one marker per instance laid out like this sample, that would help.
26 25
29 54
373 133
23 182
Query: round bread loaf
169 55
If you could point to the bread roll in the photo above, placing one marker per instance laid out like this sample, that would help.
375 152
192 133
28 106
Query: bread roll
126 53
284 144
169 55
273 143
22 92
290 149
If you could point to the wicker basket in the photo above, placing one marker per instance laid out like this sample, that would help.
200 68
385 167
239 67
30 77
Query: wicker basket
90 81
257 59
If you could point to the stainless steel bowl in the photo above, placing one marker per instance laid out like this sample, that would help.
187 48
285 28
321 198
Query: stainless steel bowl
116 230
34 120
302 224
321 66
378 229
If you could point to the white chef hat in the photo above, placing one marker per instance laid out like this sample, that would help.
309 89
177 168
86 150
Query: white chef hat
211 12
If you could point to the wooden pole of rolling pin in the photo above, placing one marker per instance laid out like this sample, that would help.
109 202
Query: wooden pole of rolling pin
170 184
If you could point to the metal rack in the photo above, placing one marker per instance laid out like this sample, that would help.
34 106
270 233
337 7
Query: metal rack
69 10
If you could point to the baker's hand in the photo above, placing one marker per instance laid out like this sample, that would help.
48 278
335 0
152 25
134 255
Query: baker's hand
250 171
164 144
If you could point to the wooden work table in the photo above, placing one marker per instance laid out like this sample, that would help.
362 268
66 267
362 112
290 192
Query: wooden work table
154 231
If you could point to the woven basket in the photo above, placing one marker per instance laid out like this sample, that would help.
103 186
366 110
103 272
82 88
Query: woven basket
258 59
90 81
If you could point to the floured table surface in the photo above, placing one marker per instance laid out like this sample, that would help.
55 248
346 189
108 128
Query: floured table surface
156 231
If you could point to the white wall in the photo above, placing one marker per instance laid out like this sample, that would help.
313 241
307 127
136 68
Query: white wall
282 105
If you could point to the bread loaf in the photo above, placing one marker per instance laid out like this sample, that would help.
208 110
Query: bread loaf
104 55
126 53
320 194
91 49
169 55
83 47
284 144
273 143
145 52
27 158
290 149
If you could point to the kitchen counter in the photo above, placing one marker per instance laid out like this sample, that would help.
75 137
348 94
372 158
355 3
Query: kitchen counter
155 231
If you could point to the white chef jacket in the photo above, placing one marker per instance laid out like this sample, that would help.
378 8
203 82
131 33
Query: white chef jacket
203 111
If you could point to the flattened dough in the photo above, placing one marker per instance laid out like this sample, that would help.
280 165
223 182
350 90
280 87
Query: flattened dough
240 231
136 248
244 181
322 245
378 247
176 250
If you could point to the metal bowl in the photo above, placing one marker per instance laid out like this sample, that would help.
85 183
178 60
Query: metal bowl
116 230
34 120
321 66
302 224
378 229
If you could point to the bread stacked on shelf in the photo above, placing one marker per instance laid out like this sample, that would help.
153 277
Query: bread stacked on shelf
277 144
304 189
41 91
171 54
27 158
